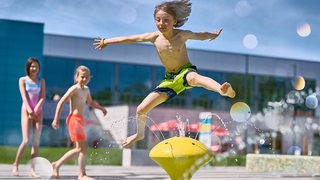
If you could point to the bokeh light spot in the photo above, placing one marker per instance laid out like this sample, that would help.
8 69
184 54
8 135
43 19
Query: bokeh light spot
242 8
273 120
299 83
262 141
250 41
294 97
294 150
240 112
304 30
312 101
42 167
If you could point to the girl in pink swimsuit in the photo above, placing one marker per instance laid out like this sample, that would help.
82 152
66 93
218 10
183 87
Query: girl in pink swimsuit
33 93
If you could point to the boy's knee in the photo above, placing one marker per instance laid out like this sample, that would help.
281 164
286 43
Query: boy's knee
78 149
140 111
192 78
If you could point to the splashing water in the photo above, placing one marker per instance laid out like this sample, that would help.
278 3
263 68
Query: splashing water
222 122
162 136
219 118
181 126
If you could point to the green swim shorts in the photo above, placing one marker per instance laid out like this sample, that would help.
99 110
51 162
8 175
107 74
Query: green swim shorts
174 83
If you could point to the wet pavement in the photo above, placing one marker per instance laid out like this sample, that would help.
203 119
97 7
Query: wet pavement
152 173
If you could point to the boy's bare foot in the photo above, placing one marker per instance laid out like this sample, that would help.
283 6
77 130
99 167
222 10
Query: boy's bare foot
55 170
129 141
226 90
231 93
15 171
85 177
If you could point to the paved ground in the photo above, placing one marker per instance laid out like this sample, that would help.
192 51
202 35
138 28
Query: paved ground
154 173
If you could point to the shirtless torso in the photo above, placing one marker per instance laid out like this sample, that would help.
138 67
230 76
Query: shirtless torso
171 50
78 99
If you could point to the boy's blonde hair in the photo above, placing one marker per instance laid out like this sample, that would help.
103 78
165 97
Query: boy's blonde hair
81 68
178 9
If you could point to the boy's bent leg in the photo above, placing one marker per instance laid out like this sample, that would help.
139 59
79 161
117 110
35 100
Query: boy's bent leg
141 123
195 79
151 101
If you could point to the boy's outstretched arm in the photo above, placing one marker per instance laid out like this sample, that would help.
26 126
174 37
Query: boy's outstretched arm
101 42
204 35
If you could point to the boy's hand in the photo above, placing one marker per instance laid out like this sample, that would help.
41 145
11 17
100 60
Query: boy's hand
99 43
216 33
104 111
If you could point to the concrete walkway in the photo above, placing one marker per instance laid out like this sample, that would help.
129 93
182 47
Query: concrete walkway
153 173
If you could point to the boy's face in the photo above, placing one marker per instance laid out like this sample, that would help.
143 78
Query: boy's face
164 21
83 78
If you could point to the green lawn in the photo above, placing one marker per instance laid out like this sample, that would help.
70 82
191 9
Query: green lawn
234 160
99 156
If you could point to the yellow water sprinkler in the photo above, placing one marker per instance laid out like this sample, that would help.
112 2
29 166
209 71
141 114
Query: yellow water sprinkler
180 157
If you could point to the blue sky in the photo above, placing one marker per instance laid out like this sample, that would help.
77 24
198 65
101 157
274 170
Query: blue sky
276 28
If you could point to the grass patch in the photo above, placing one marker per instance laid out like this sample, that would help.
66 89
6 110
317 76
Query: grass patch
235 160
99 156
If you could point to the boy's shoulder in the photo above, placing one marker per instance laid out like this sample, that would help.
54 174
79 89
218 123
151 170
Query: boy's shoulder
77 88
73 88
153 35
181 31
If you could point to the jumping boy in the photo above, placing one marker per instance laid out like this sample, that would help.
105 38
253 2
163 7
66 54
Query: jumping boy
180 73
